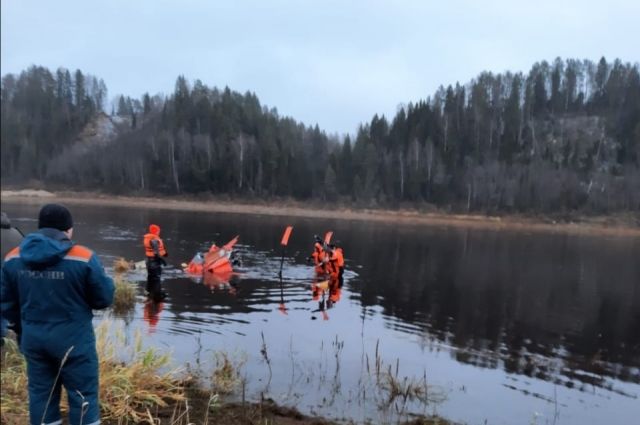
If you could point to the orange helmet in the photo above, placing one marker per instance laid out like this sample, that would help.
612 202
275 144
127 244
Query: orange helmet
154 229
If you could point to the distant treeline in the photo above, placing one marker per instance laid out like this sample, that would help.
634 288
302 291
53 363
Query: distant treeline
564 137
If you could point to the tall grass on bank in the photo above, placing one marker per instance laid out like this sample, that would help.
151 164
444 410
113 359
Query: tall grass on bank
13 381
134 381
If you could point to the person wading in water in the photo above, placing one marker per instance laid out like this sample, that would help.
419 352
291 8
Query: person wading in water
155 254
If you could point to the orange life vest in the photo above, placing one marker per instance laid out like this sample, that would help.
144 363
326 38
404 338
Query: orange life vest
318 254
336 262
148 249
337 257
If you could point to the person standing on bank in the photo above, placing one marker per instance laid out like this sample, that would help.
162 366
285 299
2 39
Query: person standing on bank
11 237
50 285
155 254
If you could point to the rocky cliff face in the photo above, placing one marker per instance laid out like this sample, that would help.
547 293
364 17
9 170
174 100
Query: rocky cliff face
101 130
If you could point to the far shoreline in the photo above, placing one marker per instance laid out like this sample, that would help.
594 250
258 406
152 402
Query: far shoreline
619 226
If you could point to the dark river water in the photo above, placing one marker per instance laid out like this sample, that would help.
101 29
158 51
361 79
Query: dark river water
504 328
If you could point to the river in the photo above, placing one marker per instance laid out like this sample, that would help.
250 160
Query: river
499 327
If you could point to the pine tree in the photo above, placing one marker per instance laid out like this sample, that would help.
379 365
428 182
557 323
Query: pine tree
556 80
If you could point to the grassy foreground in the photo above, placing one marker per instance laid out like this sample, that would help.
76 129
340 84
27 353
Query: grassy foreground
137 386
133 380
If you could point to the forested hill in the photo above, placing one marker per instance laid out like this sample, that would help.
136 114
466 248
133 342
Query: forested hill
564 137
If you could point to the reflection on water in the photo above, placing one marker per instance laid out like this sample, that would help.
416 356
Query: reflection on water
511 301
512 326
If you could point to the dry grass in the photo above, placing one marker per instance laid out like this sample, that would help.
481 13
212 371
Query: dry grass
121 265
407 389
134 381
226 377
124 299
13 381
131 386
399 394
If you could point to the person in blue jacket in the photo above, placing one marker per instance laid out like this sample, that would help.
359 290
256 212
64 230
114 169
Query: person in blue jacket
49 288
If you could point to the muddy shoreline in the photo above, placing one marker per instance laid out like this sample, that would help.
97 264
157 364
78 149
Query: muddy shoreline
619 225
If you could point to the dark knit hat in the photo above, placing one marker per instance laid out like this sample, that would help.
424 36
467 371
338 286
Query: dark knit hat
55 216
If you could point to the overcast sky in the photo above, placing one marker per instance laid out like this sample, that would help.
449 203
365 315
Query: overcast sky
335 63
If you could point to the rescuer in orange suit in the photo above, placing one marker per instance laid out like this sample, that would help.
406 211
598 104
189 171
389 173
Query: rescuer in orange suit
336 263
155 254
318 256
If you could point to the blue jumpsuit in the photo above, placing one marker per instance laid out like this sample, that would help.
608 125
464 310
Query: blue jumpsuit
49 288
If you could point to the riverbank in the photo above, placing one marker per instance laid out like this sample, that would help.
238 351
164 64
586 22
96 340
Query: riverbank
622 225
142 391
265 411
